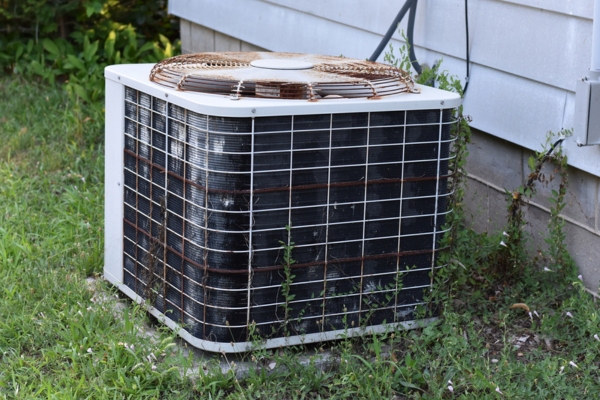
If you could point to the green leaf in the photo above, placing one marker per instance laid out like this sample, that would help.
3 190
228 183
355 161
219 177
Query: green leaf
89 50
109 45
79 91
147 46
408 384
93 8
20 50
86 42
51 47
131 36
76 62
37 68
531 163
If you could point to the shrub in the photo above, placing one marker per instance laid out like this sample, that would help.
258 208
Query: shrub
72 41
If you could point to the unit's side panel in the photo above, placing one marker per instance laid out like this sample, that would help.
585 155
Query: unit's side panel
113 183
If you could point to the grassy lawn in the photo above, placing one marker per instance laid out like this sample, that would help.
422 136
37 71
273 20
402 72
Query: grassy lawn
56 339
61 337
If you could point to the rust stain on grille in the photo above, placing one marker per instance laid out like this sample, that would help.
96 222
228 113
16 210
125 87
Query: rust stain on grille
330 77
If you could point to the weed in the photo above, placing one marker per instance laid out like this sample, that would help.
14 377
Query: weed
288 278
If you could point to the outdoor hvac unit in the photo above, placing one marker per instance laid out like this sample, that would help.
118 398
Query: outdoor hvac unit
219 165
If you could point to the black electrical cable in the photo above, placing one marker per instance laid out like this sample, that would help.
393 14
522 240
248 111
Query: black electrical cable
410 36
467 49
386 38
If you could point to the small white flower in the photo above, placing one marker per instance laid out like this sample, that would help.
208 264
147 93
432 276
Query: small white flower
530 315
536 314
132 347
494 360
498 390
154 368
568 314
450 388
572 364
546 269
450 382
503 244
505 234
89 350
561 369
580 277
596 337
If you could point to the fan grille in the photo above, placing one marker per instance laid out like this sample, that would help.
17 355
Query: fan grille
232 73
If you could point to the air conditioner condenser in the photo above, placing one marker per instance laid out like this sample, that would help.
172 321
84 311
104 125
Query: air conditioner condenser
222 166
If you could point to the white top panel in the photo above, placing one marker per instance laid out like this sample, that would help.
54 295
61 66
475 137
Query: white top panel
136 76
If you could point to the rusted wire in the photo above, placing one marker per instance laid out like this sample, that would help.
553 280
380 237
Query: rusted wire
330 77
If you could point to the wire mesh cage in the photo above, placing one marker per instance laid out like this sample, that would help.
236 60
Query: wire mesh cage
289 226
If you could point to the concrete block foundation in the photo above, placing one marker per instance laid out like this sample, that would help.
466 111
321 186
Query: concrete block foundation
496 166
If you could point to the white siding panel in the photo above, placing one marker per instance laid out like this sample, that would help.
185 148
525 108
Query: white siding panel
276 28
498 106
577 8
550 48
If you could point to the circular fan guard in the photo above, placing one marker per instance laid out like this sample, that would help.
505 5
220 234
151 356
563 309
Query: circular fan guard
274 75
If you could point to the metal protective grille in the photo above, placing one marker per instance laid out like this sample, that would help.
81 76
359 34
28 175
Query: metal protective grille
207 200
232 73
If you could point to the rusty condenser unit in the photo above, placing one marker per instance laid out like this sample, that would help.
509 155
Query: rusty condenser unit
274 197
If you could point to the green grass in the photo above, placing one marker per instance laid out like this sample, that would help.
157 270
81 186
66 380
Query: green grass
61 338
57 339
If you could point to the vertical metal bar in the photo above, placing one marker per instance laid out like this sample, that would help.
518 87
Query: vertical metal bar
326 261
186 140
205 250
289 232
364 221
399 258
437 195
164 213
250 224
138 277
